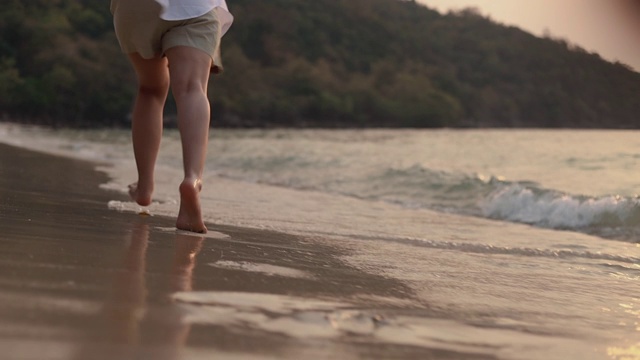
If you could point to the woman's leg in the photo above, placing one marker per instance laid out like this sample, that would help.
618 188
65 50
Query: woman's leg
146 127
189 70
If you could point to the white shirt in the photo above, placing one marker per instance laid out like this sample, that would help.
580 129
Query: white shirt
189 9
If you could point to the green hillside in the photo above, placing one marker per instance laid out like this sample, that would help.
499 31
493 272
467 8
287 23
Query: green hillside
326 63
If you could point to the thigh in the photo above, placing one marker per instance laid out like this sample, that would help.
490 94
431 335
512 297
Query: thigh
188 67
152 73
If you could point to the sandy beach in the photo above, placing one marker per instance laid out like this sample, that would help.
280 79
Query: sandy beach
290 272
80 281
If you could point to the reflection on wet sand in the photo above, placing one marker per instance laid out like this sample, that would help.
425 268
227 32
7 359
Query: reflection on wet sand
126 307
131 321
620 353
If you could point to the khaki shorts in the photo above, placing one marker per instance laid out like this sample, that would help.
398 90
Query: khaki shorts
140 29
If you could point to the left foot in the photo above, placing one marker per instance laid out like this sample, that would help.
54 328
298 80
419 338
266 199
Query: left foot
140 195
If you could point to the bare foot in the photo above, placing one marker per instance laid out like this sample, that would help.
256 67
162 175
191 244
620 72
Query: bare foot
140 195
190 215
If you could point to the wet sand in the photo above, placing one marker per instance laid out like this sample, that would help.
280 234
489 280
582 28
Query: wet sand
80 281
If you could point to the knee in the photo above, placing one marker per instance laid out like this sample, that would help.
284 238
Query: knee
158 90
188 86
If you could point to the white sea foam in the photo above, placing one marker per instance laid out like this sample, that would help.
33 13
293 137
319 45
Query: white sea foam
552 209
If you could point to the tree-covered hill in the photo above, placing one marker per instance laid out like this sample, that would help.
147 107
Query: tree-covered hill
327 63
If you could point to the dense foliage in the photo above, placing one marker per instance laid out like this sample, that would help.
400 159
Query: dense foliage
328 63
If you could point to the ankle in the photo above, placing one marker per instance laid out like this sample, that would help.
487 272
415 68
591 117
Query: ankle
145 182
192 182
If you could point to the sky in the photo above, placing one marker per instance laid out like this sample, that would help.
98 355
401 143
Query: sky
610 28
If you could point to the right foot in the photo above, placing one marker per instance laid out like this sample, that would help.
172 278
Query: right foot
190 214
141 196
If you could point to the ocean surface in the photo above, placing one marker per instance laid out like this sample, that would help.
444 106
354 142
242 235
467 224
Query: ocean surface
526 241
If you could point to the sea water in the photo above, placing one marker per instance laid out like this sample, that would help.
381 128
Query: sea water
523 241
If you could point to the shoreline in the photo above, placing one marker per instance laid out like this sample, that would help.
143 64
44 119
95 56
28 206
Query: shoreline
283 273
86 282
